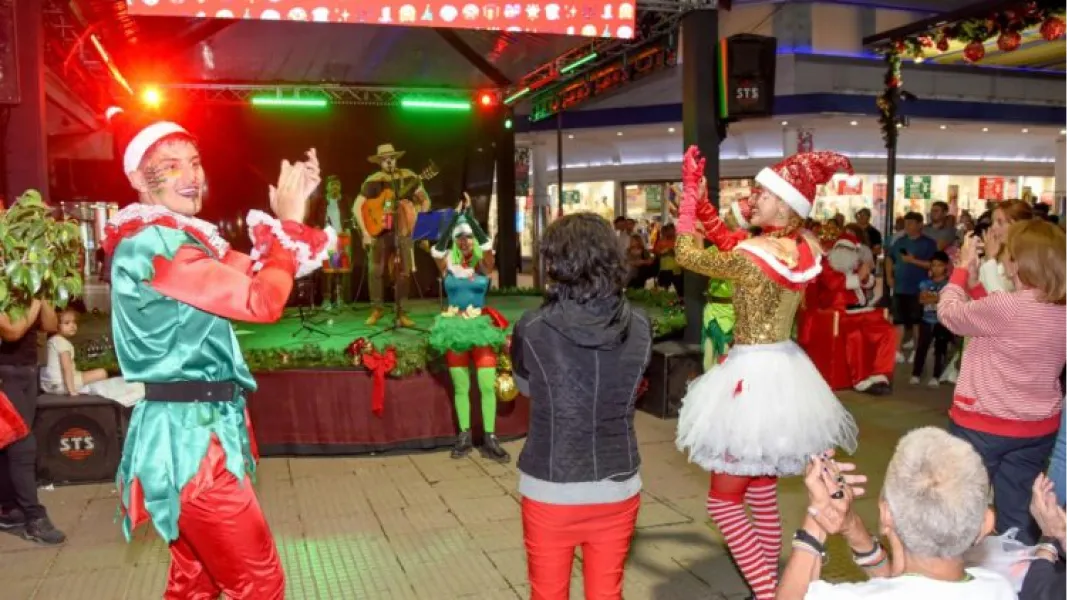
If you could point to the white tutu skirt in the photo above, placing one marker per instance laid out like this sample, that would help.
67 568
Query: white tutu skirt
763 411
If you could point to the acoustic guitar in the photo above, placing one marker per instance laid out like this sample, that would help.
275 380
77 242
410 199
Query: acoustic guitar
374 212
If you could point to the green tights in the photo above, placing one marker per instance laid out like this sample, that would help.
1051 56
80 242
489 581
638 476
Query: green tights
461 382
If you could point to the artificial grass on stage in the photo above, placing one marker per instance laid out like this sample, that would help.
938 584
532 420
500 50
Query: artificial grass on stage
339 327
288 345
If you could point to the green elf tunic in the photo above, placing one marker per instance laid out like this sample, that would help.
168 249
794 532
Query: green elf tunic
719 319
175 287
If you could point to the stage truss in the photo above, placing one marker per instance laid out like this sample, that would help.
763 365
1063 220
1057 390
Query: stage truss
335 94
605 65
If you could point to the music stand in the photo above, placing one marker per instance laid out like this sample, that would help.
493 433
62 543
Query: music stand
305 299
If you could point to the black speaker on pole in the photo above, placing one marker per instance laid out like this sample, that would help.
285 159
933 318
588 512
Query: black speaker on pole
79 438
10 91
747 66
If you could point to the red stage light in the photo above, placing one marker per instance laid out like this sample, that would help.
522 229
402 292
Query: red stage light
151 96
486 99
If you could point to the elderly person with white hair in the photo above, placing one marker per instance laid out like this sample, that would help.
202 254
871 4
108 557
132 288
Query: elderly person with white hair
934 507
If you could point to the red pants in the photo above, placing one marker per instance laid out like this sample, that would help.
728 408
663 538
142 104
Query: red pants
552 532
224 543
870 345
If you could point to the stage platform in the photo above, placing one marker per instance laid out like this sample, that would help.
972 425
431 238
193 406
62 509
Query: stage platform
322 409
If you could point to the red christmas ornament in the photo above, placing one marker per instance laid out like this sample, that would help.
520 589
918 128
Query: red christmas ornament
899 46
974 52
1052 29
942 44
926 42
1009 40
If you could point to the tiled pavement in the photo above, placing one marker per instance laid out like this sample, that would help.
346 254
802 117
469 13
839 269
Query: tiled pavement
425 526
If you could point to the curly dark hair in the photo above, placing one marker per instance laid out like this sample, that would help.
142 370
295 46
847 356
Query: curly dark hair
583 260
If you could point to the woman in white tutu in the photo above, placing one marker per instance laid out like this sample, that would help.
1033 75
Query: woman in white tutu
766 409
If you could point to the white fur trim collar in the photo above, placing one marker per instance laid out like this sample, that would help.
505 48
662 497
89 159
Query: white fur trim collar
306 263
152 213
778 266
784 190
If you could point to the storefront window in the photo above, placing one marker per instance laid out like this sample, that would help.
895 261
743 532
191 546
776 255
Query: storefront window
596 197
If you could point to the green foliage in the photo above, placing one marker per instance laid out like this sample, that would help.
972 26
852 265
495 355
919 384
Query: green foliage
39 256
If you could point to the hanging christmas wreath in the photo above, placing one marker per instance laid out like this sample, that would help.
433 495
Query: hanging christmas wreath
1005 26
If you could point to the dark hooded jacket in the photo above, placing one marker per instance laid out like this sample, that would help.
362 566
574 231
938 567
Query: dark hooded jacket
581 365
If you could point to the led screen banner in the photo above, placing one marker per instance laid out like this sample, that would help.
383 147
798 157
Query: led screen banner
585 18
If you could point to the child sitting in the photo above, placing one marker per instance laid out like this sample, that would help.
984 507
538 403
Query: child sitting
930 330
61 375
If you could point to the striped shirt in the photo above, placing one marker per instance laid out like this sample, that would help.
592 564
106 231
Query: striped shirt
1008 383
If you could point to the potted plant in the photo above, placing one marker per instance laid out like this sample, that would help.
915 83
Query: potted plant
39 256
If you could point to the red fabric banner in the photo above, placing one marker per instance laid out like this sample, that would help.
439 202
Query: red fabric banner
589 19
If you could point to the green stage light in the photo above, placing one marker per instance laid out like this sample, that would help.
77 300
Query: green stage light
429 104
507 123
287 102
581 61
517 95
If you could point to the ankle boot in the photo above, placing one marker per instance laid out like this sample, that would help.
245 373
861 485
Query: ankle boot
492 450
463 445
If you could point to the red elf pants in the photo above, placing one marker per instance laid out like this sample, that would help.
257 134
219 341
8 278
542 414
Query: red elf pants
552 532
224 544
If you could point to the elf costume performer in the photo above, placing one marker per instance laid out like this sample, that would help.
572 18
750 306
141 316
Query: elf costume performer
719 320
468 331
176 285
765 409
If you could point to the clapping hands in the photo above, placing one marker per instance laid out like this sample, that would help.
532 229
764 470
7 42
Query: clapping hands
296 182
1046 510
832 486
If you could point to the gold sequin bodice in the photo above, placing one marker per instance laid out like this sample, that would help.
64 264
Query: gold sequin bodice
765 311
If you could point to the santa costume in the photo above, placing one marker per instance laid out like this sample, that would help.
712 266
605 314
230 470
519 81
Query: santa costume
765 409
870 339
176 285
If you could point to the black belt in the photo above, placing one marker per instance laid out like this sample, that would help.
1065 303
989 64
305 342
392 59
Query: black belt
719 300
191 391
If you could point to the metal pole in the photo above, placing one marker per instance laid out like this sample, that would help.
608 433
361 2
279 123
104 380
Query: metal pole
559 164
700 126
891 186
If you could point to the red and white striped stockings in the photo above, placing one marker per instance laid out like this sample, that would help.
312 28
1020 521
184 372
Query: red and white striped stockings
755 543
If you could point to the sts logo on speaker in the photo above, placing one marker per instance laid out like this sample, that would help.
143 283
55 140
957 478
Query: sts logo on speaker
76 444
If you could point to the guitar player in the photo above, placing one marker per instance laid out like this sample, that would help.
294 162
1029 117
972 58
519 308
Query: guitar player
387 243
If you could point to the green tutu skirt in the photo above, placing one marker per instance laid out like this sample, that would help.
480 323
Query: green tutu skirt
456 333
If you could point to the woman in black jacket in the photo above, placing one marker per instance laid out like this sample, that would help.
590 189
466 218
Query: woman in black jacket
580 359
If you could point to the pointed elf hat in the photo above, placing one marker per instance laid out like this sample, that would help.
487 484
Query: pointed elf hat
463 225
796 179
135 136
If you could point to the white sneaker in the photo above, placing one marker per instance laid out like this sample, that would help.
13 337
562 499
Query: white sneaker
933 382
911 357
914 380
901 359
950 374
908 345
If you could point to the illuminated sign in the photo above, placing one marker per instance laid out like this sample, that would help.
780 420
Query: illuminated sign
589 19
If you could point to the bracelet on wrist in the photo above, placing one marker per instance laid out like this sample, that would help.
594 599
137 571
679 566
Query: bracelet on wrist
805 537
858 556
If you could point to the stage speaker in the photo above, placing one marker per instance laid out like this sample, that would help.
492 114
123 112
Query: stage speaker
79 438
10 91
672 367
748 65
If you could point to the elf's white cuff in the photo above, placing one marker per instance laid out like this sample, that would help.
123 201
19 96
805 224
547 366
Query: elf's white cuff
309 253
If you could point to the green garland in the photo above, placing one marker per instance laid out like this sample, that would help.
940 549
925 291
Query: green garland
412 357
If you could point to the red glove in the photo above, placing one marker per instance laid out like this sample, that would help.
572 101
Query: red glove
693 192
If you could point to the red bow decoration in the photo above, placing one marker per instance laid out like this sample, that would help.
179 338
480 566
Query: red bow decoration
12 427
499 320
379 365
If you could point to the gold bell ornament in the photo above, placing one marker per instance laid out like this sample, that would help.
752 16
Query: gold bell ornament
506 390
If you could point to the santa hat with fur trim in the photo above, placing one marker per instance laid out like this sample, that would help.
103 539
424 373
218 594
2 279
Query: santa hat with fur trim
796 178
134 136
847 240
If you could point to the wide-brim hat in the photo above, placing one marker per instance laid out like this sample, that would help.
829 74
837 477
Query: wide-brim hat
385 151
